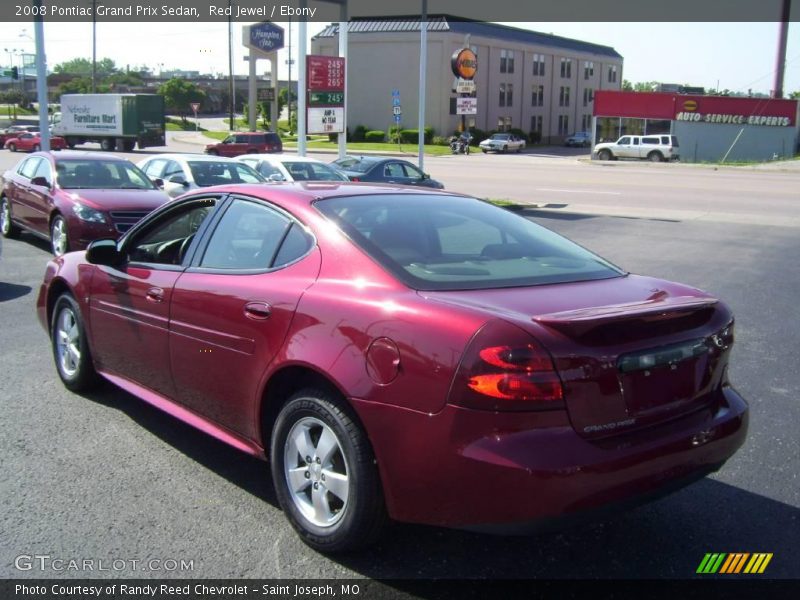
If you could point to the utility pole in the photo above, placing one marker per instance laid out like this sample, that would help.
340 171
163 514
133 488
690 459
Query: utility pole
94 46
780 61
231 83
41 76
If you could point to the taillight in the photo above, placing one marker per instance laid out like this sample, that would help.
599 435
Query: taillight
505 368
355 179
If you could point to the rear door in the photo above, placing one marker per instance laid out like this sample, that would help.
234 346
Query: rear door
232 308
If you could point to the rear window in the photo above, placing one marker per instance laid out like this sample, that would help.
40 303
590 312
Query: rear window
206 173
362 166
451 242
651 140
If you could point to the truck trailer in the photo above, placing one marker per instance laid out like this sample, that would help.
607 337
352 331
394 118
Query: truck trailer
115 121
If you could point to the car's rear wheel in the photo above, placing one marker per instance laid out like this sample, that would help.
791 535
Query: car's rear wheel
7 227
108 144
212 153
324 473
12 147
604 154
655 157
59 239
70 346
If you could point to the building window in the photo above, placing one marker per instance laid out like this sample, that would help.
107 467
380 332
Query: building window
536 124
506 94
588 69
563 96
506 61
612 74
586 122
566 68
538 65
503 123
563 124
537 95
588 96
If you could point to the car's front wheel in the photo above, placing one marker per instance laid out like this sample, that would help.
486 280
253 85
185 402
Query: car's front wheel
70 346
12 147
604 154
324 473
59 238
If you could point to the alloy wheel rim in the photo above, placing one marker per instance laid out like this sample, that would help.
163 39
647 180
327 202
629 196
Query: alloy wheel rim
68 340
316 472
5 218
59 237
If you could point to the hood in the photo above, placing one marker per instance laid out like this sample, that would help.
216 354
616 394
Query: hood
118 199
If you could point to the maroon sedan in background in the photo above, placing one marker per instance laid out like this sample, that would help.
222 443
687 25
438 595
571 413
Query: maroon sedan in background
73 198
32 142
405 353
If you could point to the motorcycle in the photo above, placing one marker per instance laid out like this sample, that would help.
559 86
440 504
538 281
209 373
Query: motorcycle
459 145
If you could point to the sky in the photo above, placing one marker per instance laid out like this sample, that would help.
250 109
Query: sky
736 56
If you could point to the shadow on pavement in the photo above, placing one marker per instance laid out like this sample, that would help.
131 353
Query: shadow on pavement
12 291
664 539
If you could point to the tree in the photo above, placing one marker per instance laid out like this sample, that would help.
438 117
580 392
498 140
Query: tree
179 94
795 95
645 86
627 86
83 67
282 99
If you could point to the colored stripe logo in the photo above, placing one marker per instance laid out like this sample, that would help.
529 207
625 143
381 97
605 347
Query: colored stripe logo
734 563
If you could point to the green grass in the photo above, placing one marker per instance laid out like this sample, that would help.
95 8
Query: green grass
180 125
216 135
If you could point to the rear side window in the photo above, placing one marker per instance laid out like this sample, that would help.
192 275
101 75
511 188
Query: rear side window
247 237
650 140
451 243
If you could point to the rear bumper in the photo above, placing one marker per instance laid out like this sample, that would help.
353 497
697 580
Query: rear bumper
507 471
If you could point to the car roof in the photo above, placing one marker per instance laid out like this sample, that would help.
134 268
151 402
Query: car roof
190 157
306 192
82 155
282 158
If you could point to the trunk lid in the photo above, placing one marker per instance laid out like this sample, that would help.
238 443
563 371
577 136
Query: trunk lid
630 351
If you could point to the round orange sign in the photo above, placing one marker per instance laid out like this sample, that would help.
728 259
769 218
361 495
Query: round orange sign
690 106
464 63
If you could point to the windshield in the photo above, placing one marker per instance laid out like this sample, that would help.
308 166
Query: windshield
362 166
312 171
452 242
211 172
100 174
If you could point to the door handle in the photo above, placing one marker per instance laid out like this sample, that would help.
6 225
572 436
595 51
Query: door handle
155 294
258 311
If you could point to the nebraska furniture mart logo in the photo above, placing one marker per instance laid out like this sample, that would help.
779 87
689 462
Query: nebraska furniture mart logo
735 563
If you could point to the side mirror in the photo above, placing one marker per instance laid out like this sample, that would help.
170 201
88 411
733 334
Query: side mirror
159 183
103 252
276 177
179 180
41 181
425 176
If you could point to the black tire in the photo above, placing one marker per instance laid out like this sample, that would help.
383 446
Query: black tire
12 147
605 154
505 149
128 145
70 143
348 524
655 156
71 352
108 144
7 227
59 237
212 153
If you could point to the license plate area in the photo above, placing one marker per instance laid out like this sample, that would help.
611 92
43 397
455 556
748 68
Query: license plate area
660 377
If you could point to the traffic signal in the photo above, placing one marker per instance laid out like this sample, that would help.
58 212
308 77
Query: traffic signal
14 72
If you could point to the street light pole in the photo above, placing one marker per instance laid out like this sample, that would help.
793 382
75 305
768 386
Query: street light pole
231 83
94 46
41 77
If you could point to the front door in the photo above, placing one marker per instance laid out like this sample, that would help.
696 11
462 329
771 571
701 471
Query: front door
130 303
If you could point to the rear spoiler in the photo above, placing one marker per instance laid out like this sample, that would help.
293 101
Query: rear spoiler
659 306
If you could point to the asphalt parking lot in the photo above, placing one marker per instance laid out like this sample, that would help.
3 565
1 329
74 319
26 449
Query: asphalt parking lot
106 476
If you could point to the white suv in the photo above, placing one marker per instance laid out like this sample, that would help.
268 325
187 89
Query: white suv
655 148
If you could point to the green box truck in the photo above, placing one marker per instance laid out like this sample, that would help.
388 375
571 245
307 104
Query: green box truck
115 121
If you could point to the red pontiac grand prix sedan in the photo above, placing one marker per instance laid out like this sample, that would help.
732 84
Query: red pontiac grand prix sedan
417 355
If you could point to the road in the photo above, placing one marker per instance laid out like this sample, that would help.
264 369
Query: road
106 476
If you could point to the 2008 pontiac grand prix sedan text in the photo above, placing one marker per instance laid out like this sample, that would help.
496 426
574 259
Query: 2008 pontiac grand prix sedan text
421 356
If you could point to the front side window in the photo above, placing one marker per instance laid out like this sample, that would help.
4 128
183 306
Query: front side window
167 240
452 243
624 141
